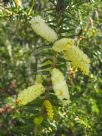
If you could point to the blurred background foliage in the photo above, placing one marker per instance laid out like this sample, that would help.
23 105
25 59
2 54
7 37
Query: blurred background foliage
23 55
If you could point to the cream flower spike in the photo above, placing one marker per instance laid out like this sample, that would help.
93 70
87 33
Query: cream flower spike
73 53
62 44
29 94
42 29
78 59
60 86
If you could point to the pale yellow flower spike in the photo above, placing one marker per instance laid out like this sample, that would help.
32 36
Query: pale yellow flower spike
18 3
72 53
49 109
78 59
29 94
42 29
62 44
60 87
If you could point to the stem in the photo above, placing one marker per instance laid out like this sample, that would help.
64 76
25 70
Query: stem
33 2
35 130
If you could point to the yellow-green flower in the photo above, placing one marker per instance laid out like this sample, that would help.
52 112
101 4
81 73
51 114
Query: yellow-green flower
78 59
62 44
29 94
42 29
59 86
49 109
72 53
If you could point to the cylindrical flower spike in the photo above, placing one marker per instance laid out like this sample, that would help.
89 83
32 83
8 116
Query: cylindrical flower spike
30 94
60 86
42 29
63 44
72 53
49 109
78 59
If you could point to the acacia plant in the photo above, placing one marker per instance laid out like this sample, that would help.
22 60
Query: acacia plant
50 61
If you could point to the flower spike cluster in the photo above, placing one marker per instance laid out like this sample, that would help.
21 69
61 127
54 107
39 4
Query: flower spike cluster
29 94
49 109
66 45
72 53
41 28
60 86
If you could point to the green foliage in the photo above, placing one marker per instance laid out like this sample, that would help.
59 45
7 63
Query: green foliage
27 59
